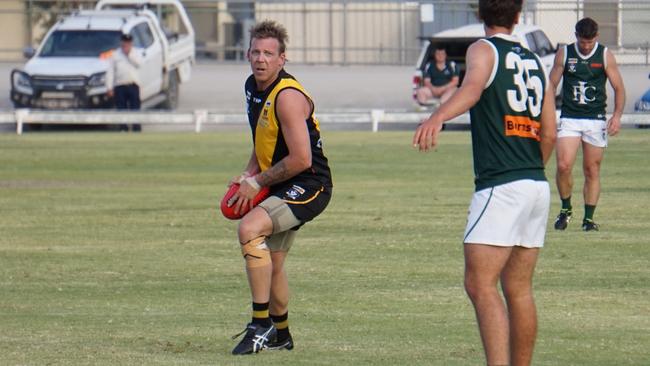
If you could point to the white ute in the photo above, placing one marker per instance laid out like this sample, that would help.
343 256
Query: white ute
457 41
68 70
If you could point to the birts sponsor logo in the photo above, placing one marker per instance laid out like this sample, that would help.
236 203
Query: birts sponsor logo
521 126
596 66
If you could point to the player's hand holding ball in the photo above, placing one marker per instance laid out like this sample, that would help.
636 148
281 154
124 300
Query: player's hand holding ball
243 194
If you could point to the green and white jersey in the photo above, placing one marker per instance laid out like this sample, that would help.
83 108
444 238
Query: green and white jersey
584 94
444 76
505 122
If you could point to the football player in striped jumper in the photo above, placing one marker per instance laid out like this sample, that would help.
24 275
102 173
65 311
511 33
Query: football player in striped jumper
288 157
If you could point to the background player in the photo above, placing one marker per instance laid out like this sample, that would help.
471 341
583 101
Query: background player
585 67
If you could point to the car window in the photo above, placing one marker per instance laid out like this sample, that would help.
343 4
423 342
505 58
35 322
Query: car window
83 43
532 45
544 46
137 41
145 34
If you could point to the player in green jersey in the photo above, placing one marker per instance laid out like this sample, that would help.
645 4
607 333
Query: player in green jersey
512 112
584 68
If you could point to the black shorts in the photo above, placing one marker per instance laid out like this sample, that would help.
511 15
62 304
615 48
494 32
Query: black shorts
306 202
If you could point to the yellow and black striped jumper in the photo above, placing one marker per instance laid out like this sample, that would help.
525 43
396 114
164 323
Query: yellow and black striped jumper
310 189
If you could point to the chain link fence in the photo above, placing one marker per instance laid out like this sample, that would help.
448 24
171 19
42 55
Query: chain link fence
350 32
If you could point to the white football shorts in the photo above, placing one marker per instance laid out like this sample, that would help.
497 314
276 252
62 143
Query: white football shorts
592 131
511 214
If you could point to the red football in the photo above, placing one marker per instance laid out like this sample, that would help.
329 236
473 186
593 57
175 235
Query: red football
229 212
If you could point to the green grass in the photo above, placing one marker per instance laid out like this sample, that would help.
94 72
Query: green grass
112 252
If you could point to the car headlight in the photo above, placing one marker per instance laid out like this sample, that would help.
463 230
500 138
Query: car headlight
642 106
97 80
22 82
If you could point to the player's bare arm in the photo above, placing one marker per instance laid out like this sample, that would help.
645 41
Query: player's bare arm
616 81
548 130
558 69
480 60
293 109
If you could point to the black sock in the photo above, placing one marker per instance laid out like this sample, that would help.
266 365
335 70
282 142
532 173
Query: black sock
261 314
281 323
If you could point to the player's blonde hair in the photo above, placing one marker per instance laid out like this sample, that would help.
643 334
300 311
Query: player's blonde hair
270 29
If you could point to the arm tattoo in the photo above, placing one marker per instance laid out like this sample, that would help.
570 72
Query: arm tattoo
275 174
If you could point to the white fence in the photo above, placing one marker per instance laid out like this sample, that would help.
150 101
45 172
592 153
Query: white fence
197 120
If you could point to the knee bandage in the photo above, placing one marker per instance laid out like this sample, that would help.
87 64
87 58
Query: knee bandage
256 253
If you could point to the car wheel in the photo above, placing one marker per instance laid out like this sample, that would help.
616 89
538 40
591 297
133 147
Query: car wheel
172 92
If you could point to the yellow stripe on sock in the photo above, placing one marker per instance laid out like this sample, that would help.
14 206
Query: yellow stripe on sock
260 313
282 325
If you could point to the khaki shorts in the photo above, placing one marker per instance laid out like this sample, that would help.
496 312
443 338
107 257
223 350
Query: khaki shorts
283 221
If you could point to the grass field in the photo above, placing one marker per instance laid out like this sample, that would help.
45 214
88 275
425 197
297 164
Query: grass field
112 253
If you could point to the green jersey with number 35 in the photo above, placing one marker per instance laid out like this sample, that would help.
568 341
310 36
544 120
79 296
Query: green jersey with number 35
505 122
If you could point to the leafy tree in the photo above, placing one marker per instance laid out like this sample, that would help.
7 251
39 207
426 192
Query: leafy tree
45 13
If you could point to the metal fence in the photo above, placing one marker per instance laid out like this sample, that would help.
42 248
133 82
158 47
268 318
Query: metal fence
203 120
350 31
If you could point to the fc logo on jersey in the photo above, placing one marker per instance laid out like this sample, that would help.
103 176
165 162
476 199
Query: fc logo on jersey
582 91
